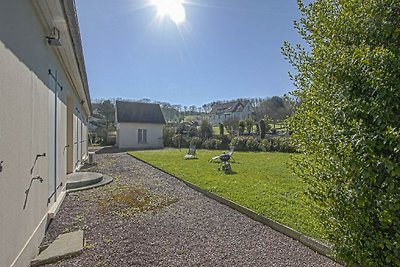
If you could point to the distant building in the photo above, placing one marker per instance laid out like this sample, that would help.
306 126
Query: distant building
139 125
231 110
44 107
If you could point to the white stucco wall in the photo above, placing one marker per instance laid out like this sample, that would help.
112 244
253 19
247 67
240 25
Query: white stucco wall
127 135
246 113
26 126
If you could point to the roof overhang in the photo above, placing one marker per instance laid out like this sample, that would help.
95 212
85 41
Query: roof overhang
62 15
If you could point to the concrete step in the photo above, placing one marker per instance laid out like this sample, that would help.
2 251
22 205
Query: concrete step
82 179
65 246
86 180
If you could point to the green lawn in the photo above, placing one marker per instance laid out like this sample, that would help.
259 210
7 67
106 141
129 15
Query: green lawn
261 181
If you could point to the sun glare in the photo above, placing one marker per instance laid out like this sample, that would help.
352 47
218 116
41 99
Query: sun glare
173 9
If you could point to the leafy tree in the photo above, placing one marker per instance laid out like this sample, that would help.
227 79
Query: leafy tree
249 124
106 109
221 129
276 108
232 125
263 129
206 129
348 123
242 126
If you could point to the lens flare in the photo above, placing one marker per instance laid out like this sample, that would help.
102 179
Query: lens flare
173 9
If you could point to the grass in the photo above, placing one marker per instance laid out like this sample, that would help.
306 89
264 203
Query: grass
260 181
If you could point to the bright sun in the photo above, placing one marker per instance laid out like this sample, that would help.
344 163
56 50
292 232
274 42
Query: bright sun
174 9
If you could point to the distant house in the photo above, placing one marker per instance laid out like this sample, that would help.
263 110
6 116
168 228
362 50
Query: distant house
139 125
231 110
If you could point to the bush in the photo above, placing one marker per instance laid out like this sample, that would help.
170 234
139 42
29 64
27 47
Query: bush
282 144
185 141
225 141
252 144
168 134
221 129
213 143
242 126
231 125
264 145
196 141
249 124
348 124
263 129
206 129
239 143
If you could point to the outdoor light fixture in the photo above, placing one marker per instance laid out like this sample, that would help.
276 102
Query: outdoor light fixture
54 38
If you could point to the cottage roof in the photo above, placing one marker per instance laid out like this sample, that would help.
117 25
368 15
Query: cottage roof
139 112
233 106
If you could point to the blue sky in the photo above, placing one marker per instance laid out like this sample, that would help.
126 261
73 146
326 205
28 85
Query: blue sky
225 49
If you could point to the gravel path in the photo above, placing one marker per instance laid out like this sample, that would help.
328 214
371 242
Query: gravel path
148 218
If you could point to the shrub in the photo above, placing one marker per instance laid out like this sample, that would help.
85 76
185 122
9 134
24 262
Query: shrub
212 143
206 129
348 124
263 129
264 145
168 134
242 126
221 129
239 143
184 140
282 144
231 125
225 140
249 124
252 144
196 141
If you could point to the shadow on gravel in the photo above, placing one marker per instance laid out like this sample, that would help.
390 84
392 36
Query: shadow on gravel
109 150
114 149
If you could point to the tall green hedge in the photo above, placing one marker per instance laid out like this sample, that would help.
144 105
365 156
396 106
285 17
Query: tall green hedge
348 123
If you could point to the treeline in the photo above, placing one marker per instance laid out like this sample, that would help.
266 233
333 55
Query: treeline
275 109
248 136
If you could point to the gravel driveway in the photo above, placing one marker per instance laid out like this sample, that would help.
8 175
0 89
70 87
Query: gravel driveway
148 218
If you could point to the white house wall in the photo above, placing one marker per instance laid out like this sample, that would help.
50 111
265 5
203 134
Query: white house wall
25 86
221 118
127 135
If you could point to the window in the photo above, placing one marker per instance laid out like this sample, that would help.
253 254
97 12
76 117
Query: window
142 136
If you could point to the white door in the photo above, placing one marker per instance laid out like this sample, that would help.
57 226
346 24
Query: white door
52 140
54 129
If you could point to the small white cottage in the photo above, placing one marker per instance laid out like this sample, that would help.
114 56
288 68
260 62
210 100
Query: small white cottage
139 125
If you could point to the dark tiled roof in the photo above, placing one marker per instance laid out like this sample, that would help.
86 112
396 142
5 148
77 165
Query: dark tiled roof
139 112
234 106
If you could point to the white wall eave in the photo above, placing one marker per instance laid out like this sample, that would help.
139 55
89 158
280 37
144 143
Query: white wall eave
62 15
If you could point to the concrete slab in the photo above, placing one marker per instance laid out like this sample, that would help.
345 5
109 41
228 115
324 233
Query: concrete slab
104 180
66 245
78 181
82 179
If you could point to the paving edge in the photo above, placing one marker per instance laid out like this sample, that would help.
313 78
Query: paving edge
317 246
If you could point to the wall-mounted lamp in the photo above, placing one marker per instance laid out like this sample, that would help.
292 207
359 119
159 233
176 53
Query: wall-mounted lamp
54 38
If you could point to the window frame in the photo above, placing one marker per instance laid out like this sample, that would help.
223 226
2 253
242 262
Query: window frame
142 136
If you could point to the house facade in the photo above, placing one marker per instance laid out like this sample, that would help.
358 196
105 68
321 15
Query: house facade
44 107
239 110
139 125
